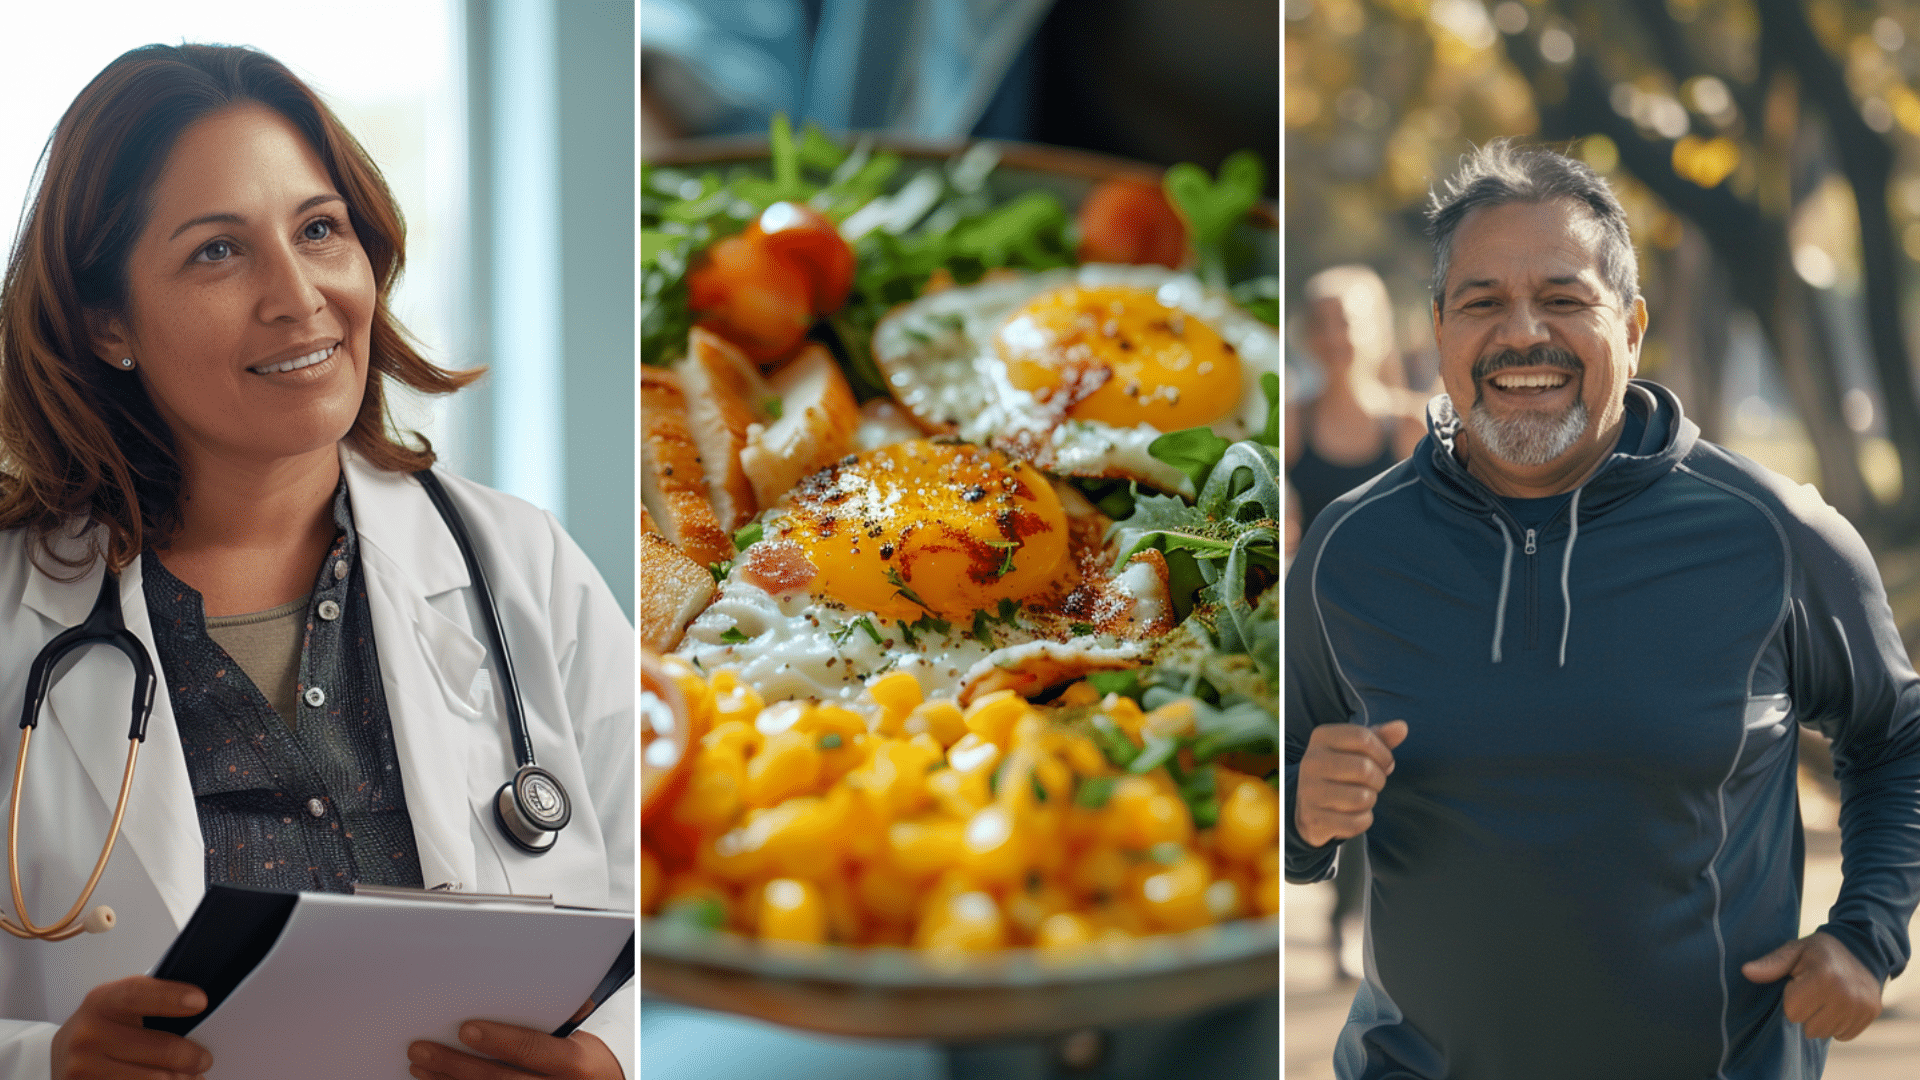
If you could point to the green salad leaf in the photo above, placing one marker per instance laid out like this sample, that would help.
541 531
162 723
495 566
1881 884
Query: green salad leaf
1212 208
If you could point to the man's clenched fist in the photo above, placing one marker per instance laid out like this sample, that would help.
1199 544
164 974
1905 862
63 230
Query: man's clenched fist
1341 775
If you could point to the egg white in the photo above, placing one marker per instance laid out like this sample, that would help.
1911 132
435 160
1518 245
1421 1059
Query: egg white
941 364
801 646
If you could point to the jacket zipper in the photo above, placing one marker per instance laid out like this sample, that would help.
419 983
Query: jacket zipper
1533 590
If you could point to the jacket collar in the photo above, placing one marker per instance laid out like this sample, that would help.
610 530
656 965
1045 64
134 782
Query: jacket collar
396 519
1667 439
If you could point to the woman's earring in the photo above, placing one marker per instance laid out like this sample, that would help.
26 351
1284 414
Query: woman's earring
126 362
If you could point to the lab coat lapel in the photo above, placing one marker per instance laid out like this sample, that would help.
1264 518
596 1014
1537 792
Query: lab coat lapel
90 709
428 663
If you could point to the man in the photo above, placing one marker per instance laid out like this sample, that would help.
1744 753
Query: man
1550 668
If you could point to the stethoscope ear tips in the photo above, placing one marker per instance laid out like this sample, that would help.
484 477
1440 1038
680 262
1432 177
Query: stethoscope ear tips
99 920
532 808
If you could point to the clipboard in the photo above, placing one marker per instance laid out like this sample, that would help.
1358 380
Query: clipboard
330 984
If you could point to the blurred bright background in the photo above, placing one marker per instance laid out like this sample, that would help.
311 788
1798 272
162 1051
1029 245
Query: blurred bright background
1768 156
505 129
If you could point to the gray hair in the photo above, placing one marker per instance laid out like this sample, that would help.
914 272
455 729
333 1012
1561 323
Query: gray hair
1501 172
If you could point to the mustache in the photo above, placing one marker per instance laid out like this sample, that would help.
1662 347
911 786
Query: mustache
1539 356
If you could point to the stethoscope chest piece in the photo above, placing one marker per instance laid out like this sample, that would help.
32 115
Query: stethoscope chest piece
532 808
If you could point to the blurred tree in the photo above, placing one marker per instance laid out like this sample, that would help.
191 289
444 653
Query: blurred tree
1752 142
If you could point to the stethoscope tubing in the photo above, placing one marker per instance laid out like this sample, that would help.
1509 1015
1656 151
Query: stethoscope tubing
69 924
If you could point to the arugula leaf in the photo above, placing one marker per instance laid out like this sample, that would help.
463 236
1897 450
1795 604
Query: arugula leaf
747 535
733 636
1113 742
1193 451
1260 297
1211 209
1125 683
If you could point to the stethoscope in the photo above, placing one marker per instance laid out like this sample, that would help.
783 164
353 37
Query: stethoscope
530 809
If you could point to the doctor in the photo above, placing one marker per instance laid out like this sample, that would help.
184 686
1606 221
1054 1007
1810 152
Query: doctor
194 353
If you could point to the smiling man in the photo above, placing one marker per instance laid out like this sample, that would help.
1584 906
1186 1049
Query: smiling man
1549 670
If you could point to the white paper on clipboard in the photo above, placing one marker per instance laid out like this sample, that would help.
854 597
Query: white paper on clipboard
352 980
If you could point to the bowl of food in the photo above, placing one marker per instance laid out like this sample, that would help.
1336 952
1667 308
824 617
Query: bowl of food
960 559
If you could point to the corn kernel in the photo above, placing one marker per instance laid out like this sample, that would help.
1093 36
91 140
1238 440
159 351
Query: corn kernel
1064 932
896 692
738 702
1249 822
737 736
1086 758
1125 713
960 794
920 848
1175 899
788 765
712 798
995 851
1172 719
940 718
792 910
991 716
1080 693
972 752
969 922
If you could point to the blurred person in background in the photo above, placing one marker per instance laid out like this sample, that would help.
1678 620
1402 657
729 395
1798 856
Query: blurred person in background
1360 423
1363 419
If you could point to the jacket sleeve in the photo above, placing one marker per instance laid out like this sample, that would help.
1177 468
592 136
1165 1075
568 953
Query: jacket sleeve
1313 697
1851 679
599 676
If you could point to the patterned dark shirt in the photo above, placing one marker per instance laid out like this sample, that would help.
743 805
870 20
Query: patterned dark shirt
314 808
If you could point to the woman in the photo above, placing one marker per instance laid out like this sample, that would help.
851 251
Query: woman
1360 424
194 348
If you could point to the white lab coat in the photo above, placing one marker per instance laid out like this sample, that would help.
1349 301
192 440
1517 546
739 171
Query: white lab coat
573 653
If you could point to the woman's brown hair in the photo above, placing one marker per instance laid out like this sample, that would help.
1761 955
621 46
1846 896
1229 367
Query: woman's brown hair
81 441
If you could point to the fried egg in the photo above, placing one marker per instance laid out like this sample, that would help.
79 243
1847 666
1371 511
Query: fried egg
949 560
1079 370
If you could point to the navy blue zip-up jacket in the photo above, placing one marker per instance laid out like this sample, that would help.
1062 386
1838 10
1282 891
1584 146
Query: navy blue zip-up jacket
1593 820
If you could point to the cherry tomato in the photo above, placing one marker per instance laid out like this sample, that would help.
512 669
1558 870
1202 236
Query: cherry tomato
1128 220
762 288
802 235
758 302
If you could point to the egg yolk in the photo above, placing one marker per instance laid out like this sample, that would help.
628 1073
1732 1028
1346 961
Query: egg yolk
1121 357
923 528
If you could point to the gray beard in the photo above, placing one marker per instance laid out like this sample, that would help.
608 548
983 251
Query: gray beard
1528 438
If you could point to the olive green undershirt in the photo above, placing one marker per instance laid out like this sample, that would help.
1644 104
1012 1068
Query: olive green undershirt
266 645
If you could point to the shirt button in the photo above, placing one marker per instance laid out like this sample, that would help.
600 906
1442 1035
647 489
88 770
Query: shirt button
339 569
317 807
315 696
329 610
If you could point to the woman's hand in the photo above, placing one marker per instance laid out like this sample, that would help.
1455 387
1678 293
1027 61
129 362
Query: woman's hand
103 1038
521 1052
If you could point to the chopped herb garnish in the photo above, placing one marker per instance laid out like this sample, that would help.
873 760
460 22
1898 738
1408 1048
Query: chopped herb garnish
982 628
772 407
1080 628
747 535
866 624
906 631
829 741
900 586
733 636
1039 790
1113 742
1094 792
1009 612
720 570
1007 548
936 765
1166 852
